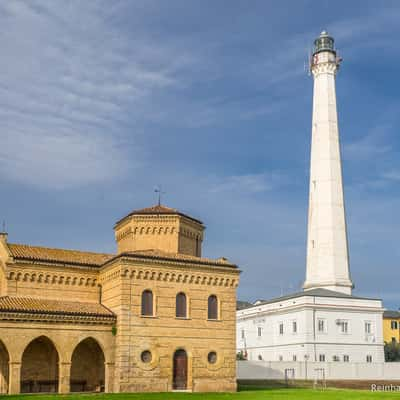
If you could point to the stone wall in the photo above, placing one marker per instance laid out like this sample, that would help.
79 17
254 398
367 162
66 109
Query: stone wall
52 282
275 370
163 333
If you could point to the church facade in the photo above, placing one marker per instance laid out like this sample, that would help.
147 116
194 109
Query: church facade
154 316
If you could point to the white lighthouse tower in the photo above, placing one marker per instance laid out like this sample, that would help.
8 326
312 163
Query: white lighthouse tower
327 252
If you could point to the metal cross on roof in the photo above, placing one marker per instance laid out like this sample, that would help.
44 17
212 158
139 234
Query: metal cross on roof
158 190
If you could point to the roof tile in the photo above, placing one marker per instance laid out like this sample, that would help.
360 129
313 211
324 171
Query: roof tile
161 210
58 255
48 306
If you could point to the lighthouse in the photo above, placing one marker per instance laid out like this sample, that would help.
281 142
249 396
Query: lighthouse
324 322
327 247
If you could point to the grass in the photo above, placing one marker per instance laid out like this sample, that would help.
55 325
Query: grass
262 394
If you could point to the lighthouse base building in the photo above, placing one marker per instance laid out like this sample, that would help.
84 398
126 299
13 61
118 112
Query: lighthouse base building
315 325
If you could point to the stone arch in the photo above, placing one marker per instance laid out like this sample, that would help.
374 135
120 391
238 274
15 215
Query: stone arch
4 370
87 367
39 367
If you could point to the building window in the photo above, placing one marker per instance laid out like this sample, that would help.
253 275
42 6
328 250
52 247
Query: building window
294 357
336 358
393 340
212 307
294 325
346 358
369 358
259 331
393 324
368 329
181 305
321 325
147 303
280 358
322 357
212 357
281 328
260 357
344 326
242 333
146 356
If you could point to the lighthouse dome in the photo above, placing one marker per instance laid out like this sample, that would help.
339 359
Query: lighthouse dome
324 42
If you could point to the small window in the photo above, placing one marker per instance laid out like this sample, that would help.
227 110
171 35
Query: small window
321 325
260 357
147 303
367 327
259 331
322 357
294 325
212 307
344 327
336 358
281 328
394 325
242 333
280 358
181 306
346 358
212 357
369 358
294 357
146 356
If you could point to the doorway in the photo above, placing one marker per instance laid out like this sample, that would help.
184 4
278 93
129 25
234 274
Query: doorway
180 370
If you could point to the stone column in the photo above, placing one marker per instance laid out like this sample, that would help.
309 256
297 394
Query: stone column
109 377
3 376
64 377
15 377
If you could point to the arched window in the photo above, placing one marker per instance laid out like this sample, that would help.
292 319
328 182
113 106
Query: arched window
181 305
212 307
147 302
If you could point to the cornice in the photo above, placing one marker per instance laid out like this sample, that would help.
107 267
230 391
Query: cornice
137 272
324 67
57 318
51 277
50 263
301 307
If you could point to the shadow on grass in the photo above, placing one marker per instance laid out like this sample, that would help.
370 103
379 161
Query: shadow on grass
261 385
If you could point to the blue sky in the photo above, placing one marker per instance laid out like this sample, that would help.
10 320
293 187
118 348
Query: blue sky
101 101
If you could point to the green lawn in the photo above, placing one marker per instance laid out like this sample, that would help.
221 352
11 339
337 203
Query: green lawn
267 394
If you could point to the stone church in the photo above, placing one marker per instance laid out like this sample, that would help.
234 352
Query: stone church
154 316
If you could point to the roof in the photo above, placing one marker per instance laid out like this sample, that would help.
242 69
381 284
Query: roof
36 253
391 314
164 255
90 259
318 292
53 307
159 209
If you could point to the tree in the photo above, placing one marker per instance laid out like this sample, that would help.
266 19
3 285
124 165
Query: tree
392 351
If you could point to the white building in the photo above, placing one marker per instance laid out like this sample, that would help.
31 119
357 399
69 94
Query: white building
325 322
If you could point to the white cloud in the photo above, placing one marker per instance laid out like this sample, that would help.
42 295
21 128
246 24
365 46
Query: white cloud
247 184
71 83
372 145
